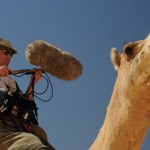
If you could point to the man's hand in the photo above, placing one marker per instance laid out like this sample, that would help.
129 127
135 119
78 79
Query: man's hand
5 71
37 75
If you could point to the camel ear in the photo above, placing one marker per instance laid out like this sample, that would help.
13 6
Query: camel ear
115 58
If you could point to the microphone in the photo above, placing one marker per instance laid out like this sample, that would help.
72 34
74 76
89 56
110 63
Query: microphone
53 60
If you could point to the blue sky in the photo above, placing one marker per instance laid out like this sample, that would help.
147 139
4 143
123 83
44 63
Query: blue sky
88 29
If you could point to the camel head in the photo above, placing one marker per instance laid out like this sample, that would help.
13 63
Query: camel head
133 66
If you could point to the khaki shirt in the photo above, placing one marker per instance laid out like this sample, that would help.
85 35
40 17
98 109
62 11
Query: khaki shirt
12 140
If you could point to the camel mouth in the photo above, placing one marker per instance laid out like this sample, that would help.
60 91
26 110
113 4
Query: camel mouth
141 64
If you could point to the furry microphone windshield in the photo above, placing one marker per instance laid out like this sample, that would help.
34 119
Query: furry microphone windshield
53 60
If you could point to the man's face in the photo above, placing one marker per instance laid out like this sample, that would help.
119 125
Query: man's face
5 57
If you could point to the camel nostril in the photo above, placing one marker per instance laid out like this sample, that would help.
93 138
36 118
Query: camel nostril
142 54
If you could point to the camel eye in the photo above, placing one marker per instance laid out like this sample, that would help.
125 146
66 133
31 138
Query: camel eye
128 50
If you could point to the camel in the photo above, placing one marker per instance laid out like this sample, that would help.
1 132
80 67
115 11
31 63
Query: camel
128 113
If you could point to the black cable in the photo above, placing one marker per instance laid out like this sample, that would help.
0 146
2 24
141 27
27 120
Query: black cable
48 83
19 75
45 89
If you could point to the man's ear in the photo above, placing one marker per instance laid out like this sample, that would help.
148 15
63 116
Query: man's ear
115 58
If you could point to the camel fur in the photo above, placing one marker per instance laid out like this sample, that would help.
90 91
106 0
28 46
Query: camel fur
128 114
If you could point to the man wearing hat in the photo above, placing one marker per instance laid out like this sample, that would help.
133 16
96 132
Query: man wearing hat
17 130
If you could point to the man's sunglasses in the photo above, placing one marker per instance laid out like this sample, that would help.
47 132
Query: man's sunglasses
7 52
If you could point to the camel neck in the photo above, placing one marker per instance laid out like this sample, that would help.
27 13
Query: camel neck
124 127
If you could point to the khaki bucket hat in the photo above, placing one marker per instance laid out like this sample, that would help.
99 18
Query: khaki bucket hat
5 44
